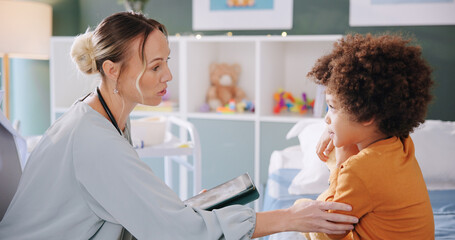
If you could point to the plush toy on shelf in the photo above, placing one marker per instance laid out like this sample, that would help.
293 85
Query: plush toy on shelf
223 85
286 101
233 107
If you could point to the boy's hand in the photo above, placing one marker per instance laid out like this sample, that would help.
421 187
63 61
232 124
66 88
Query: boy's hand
324 146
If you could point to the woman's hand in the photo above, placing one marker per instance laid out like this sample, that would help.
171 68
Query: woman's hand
325 146
306 216
312 216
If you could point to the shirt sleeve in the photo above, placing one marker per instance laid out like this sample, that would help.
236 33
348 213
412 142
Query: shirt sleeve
347 187
350 189
123 189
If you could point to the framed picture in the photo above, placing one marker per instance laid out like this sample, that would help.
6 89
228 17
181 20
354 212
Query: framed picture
401 12
242 14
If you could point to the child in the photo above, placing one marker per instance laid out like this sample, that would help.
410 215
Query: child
377 91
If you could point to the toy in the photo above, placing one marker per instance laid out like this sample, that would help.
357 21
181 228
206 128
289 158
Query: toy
233 107
223 79
225 110
286 101
204 108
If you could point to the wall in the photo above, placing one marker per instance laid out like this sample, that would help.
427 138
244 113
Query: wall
29 79
72 17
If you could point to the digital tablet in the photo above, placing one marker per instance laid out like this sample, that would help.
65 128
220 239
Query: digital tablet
240 190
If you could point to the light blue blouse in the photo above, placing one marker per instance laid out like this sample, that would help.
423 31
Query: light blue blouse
85 181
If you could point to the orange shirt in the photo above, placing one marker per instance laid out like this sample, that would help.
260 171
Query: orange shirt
384 185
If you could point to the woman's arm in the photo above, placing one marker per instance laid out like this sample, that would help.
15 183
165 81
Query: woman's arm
310 216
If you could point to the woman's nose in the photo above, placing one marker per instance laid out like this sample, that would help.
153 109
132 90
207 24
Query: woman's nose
168 76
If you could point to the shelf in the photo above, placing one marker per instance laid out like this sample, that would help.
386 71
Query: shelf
285 119
140 114
268 63
201 54
221 116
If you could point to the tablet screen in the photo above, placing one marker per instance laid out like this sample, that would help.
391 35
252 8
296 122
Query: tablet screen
222 192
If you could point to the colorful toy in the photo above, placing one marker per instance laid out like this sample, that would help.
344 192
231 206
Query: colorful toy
286 101
225 110
233 107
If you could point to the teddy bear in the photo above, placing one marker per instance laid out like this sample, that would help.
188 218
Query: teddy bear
223 85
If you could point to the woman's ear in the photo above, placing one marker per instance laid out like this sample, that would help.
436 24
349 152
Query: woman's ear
111 69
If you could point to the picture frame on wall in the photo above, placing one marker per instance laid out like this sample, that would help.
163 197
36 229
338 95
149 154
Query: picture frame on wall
242 14
401 12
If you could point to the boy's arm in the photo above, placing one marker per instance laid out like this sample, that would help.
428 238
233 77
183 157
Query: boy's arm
346 187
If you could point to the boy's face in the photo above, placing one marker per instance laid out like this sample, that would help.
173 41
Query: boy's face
343 130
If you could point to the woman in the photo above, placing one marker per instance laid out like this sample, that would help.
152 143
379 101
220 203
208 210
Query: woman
85 181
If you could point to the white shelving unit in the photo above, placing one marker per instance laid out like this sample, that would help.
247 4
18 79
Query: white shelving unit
268 63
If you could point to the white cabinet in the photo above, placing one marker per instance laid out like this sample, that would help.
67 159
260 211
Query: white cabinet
268 63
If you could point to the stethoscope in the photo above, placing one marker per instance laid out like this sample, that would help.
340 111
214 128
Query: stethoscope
108 111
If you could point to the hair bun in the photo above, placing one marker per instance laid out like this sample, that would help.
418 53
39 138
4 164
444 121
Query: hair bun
83 53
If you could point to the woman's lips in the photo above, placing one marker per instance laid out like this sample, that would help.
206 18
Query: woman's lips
162 93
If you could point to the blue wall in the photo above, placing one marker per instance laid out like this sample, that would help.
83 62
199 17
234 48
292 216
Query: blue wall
29 92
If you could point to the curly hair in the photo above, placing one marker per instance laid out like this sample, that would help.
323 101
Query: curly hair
379 77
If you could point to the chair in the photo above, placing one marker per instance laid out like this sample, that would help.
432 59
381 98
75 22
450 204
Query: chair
177 149
12 150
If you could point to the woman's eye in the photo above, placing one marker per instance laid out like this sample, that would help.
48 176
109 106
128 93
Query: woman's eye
155 68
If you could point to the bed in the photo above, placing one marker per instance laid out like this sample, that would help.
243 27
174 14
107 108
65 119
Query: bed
289 177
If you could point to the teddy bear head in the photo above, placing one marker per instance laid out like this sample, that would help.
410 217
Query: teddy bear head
223 74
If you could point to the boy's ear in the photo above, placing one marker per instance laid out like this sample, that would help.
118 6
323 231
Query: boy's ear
368 123
111 69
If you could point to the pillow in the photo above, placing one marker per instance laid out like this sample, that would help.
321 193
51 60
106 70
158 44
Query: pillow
290 157
434 143
300 125
314 176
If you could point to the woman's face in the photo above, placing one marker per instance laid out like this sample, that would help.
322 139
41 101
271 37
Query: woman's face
151 86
